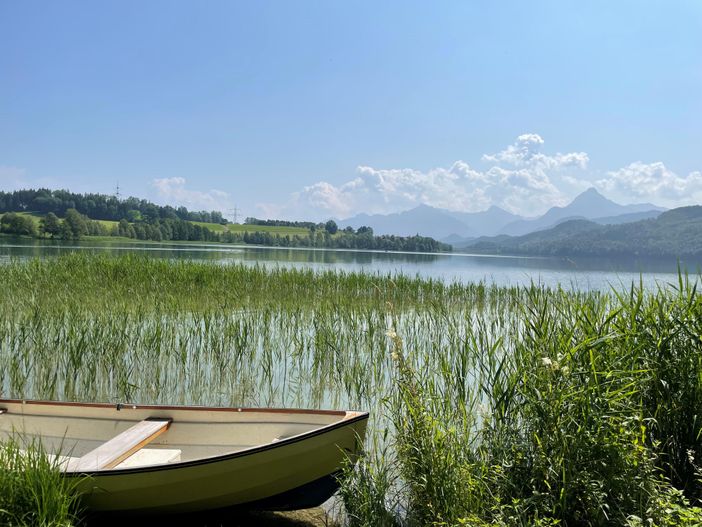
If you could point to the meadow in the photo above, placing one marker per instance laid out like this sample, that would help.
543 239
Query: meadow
215 227
490 405
244 227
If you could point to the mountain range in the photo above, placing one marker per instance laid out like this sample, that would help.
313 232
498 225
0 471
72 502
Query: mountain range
675 233
458 228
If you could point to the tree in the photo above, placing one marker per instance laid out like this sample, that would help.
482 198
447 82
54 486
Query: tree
50 224
65 232
76 223
331 227
150 213
133 215
12 223
123 228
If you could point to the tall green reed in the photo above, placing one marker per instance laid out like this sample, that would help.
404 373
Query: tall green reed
562 421
32 491
512 406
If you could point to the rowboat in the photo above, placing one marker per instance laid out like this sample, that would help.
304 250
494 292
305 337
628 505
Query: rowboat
140 459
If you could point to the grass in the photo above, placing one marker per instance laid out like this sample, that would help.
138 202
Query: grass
215 227
109 224
583 413
37 217
490 405
32 491
280 231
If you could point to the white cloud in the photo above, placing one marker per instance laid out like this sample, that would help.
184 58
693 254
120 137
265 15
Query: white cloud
519 180
174 192
652 182
525 152
526 146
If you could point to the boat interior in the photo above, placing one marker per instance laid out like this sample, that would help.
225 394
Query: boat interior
96 437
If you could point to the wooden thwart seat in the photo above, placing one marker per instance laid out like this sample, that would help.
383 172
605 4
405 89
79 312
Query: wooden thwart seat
151 456
112 453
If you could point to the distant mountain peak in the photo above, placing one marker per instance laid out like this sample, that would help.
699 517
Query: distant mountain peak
590 195
592 191
443 224
423 206
589 204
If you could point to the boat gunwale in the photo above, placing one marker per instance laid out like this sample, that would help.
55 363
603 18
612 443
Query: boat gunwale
132 406
350 417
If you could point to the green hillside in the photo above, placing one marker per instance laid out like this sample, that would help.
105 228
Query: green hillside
75 226
214 227
675 233
236 227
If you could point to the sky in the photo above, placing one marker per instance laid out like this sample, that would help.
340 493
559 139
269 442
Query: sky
318 109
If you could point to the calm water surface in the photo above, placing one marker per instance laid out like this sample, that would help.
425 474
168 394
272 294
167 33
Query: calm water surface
579 273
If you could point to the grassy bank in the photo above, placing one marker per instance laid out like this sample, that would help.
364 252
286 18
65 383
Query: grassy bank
491 405
32 491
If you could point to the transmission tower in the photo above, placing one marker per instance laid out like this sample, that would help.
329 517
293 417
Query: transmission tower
234 213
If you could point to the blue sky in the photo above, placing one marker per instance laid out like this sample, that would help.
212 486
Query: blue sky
320 109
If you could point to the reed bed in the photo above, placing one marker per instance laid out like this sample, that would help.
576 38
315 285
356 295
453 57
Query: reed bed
490 405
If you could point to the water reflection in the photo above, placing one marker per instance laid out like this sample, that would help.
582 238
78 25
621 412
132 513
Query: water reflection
580 273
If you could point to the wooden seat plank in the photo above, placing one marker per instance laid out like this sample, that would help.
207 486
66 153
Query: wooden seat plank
113 452
151 456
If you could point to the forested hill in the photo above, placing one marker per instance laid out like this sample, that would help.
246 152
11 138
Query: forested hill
98 206
65 215
675 233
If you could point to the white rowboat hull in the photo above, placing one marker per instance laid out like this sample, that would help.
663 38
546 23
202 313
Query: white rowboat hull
270 459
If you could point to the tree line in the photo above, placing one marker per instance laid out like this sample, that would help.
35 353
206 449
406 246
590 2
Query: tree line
343 240
99 206
76 225
281 223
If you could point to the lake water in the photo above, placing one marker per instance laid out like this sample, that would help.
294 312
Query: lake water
578 273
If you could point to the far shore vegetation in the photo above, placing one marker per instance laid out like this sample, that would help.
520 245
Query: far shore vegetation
58 214
507 406
676 233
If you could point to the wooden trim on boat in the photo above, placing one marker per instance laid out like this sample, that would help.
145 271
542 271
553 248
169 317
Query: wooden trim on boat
113 452
119 406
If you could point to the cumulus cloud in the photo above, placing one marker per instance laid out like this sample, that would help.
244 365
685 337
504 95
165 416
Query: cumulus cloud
174 192
522 178
525 152
518 179
653 181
